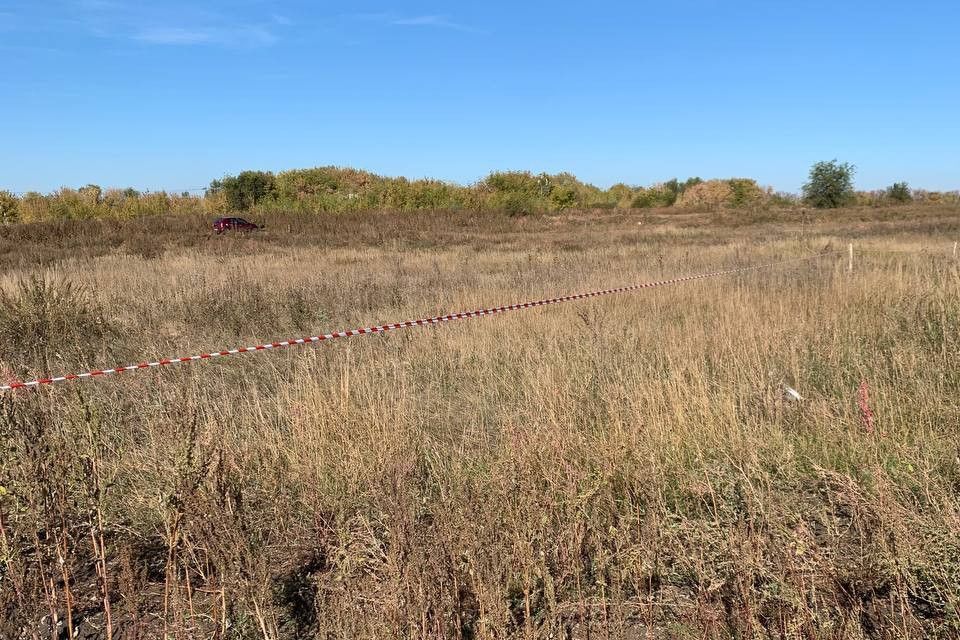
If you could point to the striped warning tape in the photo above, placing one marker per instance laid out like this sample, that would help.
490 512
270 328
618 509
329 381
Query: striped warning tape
397 325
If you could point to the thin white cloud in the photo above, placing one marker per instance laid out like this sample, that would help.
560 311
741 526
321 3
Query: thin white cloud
240 36
173 35
437 21
175 24
370 17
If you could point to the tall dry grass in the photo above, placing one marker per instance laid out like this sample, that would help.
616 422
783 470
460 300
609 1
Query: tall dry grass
624 467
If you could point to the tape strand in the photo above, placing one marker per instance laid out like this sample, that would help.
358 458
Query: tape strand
385 328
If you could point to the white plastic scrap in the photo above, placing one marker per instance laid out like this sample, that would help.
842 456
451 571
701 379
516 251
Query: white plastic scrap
791 394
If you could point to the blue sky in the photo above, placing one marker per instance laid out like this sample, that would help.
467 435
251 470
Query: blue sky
171 95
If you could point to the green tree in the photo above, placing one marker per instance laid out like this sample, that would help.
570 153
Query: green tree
521 183
9 208
744 192
563 197
246 189
659 195
516 203
671 190
830 184
899 192
621 194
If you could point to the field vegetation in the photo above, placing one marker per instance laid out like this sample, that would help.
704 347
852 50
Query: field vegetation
325 190
624 467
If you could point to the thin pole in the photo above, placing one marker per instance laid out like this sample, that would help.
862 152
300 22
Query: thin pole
955 250
850 263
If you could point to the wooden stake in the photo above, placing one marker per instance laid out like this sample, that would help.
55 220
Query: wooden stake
850 263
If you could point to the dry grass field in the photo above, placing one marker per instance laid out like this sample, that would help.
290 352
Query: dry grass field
625 467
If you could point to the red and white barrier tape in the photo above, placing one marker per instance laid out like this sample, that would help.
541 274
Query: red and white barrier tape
396 325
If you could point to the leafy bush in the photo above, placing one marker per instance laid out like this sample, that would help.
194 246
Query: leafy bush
664 194
302 183
516 204
899 192
521 190
621 195
75 204
744 192
563 191
830 185
343 189
431 194
563 197
9 208
655 196
518 182
34 207
246 189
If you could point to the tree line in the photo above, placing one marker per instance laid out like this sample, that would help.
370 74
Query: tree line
339 189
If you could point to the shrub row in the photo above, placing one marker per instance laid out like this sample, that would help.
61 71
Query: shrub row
336 190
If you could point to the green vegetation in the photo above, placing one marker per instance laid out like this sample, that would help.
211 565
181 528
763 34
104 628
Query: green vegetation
245 190
744 192
9 208
830 185
342 189
899 192
114 204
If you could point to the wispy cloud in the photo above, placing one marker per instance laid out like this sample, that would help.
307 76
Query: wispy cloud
173 35
437 21
243 36
175 24
370 17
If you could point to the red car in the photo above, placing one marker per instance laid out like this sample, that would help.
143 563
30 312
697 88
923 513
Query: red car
234 224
